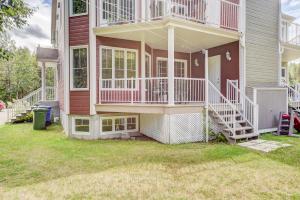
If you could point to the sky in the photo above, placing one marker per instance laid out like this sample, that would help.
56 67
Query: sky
38 31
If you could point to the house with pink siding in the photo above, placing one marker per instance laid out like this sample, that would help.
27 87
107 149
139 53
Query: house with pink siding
173 70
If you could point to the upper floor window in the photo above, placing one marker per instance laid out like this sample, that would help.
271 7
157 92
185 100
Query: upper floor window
79 7
117 11
79 64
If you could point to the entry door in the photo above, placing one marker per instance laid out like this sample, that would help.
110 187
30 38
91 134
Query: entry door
214 71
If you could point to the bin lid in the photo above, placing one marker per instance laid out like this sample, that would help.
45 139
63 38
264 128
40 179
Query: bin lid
39 109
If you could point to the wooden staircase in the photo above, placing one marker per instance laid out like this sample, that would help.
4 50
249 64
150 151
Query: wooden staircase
232 124
235 118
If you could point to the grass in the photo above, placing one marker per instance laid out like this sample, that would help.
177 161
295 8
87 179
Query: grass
48 165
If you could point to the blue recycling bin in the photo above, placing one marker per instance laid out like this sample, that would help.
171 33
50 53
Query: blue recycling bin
48 115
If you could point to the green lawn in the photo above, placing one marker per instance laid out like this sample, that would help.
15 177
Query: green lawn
48 165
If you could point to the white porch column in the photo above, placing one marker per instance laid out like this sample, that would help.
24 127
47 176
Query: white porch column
206 94
92 57
43 74
143 73
56 78
171 59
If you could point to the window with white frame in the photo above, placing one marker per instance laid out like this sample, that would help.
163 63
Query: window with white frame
78 7
180 68
118 66
79 64
119 124
118 11
81 125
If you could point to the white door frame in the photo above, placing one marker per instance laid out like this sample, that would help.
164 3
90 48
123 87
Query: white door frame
217 82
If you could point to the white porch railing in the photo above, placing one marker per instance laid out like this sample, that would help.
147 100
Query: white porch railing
245 106
21 105
151 90
113 12
290 33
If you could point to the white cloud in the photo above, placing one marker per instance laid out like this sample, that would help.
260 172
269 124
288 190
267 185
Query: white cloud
38 31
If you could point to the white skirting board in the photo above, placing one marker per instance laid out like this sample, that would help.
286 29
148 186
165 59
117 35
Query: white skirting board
173 128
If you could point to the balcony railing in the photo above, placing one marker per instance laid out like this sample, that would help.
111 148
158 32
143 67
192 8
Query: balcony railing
151 90
221 13
290 33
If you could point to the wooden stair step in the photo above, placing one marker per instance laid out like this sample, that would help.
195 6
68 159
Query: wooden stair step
237 121
243 128
243 136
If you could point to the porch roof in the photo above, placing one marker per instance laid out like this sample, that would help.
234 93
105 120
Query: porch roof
47 54
189 36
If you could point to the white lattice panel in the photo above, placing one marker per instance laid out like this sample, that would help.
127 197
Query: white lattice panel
186 128
155 126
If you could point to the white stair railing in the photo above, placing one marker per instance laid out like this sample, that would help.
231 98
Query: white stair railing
21 105
245 106
223 108
294 97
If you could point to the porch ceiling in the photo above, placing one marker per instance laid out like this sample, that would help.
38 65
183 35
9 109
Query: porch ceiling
291 52
189 36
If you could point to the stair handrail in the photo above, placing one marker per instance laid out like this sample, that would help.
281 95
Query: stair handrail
21 105
245 106
293 97
219 103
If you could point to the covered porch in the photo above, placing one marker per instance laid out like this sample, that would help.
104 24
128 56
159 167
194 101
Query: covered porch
48 62
174 62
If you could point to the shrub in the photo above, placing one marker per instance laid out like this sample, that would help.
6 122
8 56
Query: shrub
2 105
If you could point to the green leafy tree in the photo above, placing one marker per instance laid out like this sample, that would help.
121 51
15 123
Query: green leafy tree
14 13
19 75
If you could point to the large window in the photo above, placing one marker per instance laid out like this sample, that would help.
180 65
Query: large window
81 125
119 124
118 66
78 7
79 63
117 11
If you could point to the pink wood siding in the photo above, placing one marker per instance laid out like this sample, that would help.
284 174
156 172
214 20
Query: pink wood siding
79 35
229 69
79 30
80 102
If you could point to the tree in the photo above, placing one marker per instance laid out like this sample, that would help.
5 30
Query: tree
19 75
14 13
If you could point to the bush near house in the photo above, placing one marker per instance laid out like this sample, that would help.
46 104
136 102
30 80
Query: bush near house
2 105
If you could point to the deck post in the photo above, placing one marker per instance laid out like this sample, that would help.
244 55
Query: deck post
143 95
43 74
206 94
171 59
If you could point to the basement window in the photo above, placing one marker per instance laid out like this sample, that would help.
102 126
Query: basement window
81 125
78 7
119 124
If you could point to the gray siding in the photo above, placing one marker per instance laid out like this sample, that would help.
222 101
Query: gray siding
262 43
